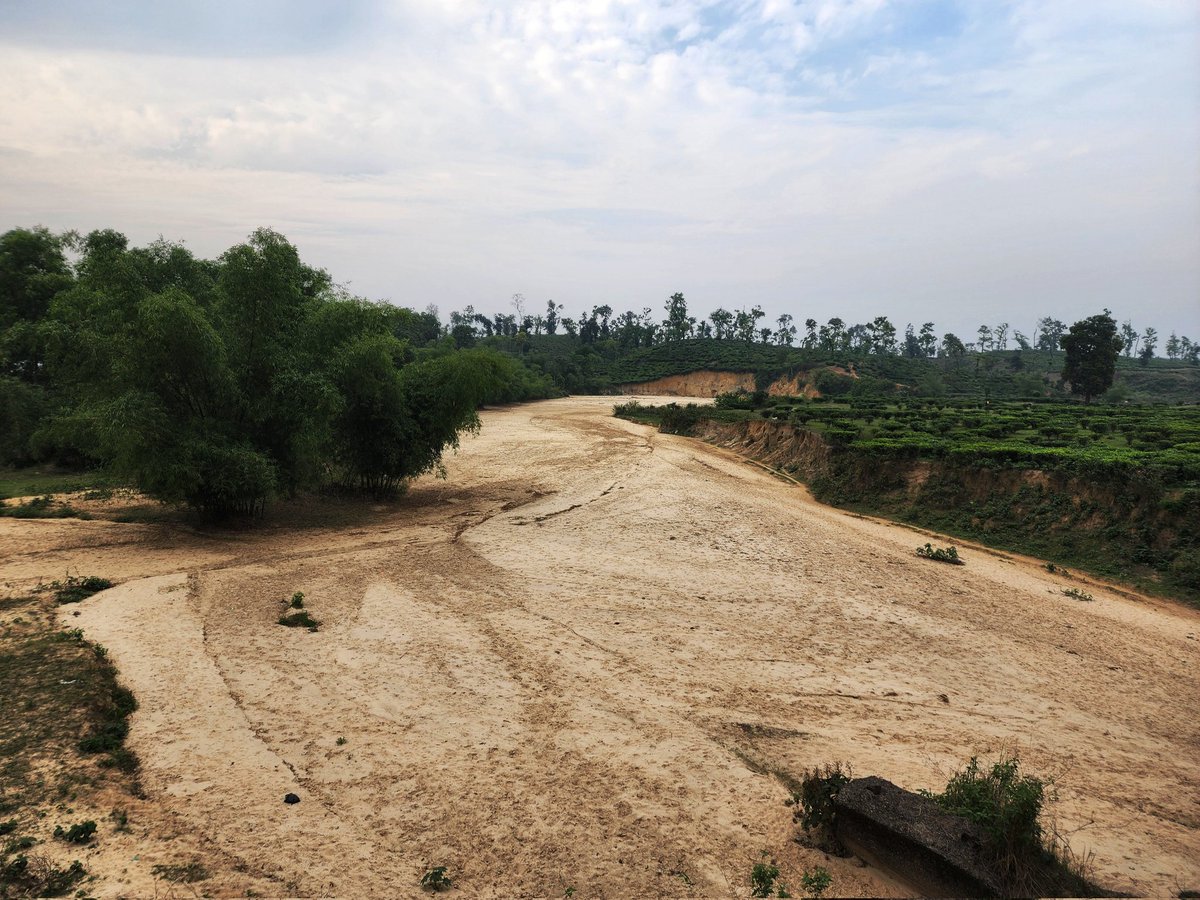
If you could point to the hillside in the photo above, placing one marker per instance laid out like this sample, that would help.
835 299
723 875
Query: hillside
606 367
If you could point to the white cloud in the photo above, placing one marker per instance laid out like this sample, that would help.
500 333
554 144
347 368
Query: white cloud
787 153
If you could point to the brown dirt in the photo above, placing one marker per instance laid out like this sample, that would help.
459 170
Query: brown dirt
704 383
709 383
569 664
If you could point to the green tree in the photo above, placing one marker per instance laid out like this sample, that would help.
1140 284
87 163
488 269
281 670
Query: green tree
1049 334
678 324
1149 343
952 346
1130 337
722 323
927 340
1173 346
33 268
1092 346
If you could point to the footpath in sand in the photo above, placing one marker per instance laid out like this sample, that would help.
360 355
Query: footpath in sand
570 664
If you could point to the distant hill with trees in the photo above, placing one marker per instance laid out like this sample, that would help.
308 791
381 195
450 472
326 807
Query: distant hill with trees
600 350
222 383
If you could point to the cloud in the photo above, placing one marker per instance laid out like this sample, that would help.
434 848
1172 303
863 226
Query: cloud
944 160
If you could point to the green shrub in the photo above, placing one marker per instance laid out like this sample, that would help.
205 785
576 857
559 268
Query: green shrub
816 882
45 507
815 811
74 589
1006 803
436 879
763 880
946 555
676 419
76 834
19 877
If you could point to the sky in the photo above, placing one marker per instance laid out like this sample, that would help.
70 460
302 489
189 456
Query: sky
968 162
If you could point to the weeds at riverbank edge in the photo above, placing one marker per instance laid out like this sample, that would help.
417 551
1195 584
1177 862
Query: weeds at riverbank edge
54 687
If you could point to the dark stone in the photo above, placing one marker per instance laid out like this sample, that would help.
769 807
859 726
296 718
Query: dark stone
290 798
938 854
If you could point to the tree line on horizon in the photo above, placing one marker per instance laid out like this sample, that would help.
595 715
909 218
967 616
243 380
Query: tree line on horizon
222 383
629 330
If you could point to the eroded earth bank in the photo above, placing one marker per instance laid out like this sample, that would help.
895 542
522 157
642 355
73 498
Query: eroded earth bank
569 664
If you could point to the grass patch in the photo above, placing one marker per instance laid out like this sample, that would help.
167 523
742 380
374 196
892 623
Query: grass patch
74 588
35 482
181 874
55 687
45 507
34 876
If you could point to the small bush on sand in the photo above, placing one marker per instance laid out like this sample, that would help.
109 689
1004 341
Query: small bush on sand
763 879
80 833
946 555
73 588
1008 805
435 879
816 882
814 805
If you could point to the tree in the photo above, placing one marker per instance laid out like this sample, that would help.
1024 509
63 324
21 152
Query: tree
912 346
786 332
952 346
927 340
746 323
882 335
722 323
1130 337
1092 346
33 269
832 334
552 320
1149 342
1050 332
810 334
985 339
1173 346
678 325
1000 335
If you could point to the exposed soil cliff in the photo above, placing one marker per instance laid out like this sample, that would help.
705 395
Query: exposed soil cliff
709 383
705 383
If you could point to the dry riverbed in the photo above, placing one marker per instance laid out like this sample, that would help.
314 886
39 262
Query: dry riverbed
569 665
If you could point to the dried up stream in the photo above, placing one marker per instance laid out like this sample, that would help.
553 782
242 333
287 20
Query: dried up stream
568 665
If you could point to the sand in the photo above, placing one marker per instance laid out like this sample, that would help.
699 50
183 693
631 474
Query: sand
570 664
